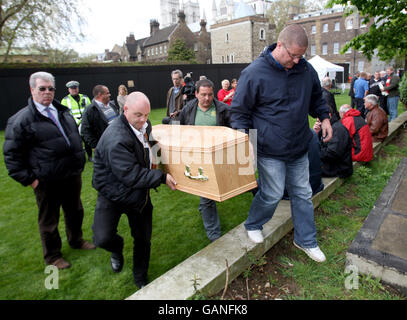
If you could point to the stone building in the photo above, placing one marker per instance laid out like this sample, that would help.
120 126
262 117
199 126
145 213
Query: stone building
203 45
169 11
230 9
328 31
240 40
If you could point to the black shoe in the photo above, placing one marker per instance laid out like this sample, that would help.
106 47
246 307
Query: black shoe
141 282
117 261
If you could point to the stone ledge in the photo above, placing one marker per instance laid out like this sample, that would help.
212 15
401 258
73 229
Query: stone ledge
209 264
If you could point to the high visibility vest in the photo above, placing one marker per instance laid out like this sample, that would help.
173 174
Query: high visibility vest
76 108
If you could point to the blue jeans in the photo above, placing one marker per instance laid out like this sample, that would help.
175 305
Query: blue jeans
274 175
392 106
210 218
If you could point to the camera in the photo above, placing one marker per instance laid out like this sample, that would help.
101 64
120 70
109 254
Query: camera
189 87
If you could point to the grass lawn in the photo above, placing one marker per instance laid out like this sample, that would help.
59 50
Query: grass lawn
177 234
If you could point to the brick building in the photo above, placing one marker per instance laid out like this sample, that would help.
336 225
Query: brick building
328 31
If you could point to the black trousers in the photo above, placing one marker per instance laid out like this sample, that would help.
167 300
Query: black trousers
50 197
360 105
105 222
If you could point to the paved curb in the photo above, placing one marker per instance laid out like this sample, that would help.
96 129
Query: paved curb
208 266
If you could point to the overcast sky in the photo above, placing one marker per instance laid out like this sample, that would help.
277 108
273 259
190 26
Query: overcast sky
110 22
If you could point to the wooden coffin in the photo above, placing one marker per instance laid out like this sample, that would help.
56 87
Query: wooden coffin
212 162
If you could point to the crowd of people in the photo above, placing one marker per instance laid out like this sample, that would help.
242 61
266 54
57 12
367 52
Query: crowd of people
44 147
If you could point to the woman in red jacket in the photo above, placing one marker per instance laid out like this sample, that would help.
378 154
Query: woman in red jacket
224 95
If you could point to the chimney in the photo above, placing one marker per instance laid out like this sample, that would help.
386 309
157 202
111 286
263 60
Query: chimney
181 16
154 26
203 25
130 39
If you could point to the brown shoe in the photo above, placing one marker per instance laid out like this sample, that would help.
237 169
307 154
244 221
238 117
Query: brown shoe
87 246
61 264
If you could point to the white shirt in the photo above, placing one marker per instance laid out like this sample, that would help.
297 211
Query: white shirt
41 108
140 135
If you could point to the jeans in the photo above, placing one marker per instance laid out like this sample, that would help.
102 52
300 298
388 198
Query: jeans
392 106
210 218
274 175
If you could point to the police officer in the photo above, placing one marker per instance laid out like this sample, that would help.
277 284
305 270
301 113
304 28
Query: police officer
76 102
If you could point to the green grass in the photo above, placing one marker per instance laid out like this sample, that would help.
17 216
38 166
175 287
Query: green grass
177 234
338 220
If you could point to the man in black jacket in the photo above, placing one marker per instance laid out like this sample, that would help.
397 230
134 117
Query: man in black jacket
98 115
43 149
326 85
123 176
336 154
206 111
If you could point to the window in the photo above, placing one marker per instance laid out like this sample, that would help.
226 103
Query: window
232 58
227 37
349 24
156 50
349 50
223 59
195 46
148 52
165 49
262 35
227 58
161 50
325 49
313 50
336 47
362 25
361 65
337 26
325 27
313 29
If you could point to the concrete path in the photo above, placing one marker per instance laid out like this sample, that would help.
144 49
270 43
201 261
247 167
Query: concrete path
380 247
209 267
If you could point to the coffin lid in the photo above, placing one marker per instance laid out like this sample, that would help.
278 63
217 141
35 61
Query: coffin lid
197 138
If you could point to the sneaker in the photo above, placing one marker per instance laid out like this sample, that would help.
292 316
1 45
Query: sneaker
255 235
314 253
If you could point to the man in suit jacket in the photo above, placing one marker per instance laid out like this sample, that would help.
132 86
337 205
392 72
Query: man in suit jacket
98 115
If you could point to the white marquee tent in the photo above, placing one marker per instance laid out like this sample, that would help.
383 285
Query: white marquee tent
323 67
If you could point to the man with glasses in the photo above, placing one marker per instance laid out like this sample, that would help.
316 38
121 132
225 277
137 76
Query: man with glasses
77 102
43 149
175 100
276 92
98 116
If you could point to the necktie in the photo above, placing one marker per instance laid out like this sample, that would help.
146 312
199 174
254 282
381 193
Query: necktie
51 116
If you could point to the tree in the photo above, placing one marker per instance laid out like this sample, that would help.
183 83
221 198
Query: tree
387 35
280 11
180 52
29 22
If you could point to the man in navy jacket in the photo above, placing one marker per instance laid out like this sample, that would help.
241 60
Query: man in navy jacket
274 96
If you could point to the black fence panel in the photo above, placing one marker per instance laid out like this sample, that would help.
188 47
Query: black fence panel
154 81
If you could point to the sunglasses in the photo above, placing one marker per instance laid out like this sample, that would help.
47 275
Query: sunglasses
50 89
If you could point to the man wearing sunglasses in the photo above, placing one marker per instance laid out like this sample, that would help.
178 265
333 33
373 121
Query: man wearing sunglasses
276 93
43 149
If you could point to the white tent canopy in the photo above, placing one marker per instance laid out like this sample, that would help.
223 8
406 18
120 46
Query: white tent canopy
323 67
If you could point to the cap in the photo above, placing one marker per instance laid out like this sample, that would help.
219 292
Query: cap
72 83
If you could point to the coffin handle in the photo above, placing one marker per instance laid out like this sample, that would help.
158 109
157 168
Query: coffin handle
199 177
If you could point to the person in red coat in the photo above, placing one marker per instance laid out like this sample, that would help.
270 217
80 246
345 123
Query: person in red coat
362 145
224 95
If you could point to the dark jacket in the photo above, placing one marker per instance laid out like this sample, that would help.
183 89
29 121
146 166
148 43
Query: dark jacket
121 166
393 87
188 113
362 145
34 148
352 85
330 100
378 124
277 102
336 154
179 102
94 123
